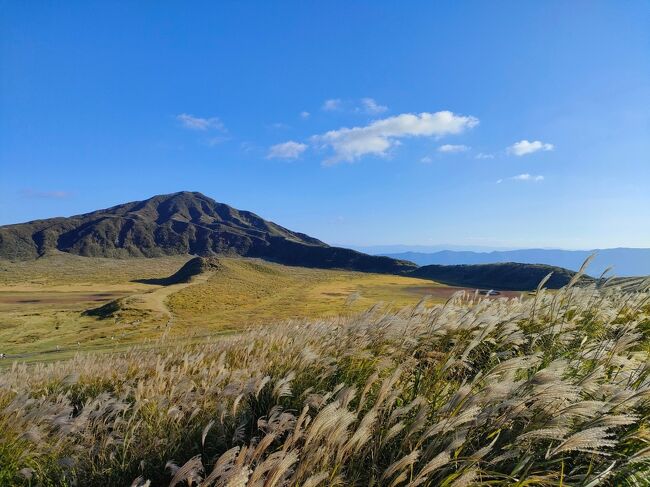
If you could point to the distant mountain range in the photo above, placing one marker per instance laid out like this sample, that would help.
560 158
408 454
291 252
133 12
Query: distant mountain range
625 261
422 249
181 223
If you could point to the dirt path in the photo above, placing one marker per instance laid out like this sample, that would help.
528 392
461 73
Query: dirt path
149 305
154 301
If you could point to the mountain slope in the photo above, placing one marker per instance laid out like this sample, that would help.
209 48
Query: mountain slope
625 261
511 276
180 223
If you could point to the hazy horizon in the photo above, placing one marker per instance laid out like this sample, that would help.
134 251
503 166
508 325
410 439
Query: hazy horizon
398 248
377 248
386 248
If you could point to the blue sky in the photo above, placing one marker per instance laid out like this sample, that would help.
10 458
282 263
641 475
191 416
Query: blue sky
499 124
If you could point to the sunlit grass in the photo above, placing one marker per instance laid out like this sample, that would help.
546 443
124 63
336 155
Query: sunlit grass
548 391
42 301
245 292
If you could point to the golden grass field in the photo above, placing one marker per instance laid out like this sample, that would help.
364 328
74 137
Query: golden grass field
552 391
256 292
254 373
42 301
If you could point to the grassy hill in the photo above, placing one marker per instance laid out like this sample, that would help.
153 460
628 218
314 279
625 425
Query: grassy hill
510 275
621 261
250 292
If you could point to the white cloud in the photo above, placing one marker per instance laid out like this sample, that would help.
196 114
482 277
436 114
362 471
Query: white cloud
450 148
304 115
426 160
523 177
482 155
349 144
372 107
524 147
198 123
332 104
527 177
365 105
286 150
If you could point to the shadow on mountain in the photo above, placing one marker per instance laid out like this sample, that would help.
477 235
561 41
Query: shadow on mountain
502 276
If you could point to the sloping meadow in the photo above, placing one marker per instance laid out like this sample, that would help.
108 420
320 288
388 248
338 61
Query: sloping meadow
549 390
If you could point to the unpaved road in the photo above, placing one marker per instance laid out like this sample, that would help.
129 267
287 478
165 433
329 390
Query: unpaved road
154 301
151 303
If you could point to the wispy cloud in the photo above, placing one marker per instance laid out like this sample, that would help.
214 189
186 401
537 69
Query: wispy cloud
366 105
482 155
524 147
198 123
305 115
527 177
56 195
450 148
279 126
370 106
286 150
524 177
247 146
216 140
426 160
332 105
350 144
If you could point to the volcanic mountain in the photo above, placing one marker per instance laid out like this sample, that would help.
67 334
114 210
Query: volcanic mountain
181 223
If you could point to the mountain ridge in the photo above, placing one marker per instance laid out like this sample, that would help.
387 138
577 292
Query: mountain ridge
626 261
500 276
181 223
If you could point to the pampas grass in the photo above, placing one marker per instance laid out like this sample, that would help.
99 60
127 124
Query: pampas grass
553 390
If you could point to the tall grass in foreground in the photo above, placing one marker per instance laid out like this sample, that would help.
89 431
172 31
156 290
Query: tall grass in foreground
551 390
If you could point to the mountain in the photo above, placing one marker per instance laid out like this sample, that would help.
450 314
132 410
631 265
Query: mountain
625 261
510 276
181 223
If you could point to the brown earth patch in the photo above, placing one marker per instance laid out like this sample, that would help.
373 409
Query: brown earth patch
31 298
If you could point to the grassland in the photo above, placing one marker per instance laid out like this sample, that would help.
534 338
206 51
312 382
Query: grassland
42 302
63 271
249 292
550 391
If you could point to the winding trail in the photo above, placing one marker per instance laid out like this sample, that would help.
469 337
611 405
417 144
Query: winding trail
150 303
154 301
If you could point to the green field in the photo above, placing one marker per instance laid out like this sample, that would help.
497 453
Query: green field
251 292
42 302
